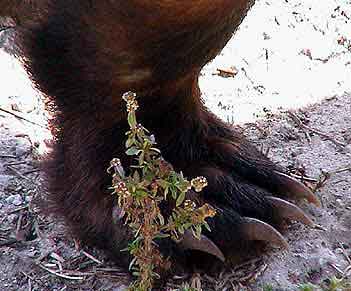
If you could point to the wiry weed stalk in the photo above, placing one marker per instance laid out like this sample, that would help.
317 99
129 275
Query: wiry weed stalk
152 181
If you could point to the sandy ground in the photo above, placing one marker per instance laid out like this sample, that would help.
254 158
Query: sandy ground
289 82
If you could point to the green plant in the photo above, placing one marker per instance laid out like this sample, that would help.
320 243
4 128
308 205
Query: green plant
332 284
335 284
185 287
308 287
150 182
267 287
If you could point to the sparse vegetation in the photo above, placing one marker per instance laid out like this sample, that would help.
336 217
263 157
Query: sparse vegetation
330 284
150 181
268 287
308 287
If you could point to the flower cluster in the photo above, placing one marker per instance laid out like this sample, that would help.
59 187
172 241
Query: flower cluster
132 104
199 183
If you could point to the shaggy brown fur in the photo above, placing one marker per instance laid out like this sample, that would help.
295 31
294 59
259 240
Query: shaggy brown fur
83 55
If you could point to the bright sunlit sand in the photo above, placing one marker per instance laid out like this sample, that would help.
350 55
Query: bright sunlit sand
287 56
17 95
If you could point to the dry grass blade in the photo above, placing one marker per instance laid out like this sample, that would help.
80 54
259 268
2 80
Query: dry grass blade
300 124
59 274
23 118
91 257
237 278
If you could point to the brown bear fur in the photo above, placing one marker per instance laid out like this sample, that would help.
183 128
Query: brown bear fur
83 55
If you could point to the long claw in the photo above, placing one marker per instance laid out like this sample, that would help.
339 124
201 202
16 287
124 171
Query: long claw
255 229
203 244
290 211
296 188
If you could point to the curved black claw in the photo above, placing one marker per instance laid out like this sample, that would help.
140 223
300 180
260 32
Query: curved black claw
290 211
254 229
296 189
190 242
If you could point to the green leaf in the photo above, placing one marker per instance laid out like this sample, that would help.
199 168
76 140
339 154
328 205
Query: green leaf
187 225
166 192
173 191
155 150
141 158
267 287
132 151
129 142
181 229
308 287
132 119
136 177
161 219
141 193
197 231
149 176
162 235
180 199
185 185
132 263
162 183
205 224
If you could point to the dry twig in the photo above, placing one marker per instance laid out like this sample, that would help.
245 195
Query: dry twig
91 257
8 156
58 274
17 209
227 73
18 173
8 242
23 118
303 126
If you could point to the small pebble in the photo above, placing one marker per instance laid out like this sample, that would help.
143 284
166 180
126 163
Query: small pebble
22 147
339 203
14 199
32 253
11 218
120 288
